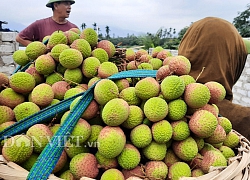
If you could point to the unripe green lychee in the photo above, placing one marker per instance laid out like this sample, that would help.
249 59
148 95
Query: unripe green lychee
171 157
155 151
178 170
122 84
156 170
83 46
156 63
45 64
172 87
129 95
135 117
232 140
225 123
6 114
19 79
130 54
145 65
20 57
106 163
162 131
42 94
155 109
112 174
111 141
57 49
130 157
95 131
100 54
203 123
177 109
40 135
146 88
70 58
67 175
185 149
180 130
81 131
187 79
71 36
105 90
10 98
72 92
107 69
53 78
217 91
90 67
57 37
115 112
90 35
25 109
84 164
17 148
27 164
35 49
72 149
73 76
196 95
212 158
141 136
227 151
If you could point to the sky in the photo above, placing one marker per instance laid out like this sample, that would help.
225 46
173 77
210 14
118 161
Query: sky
136 15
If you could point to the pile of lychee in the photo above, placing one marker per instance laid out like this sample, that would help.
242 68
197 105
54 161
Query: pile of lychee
162 127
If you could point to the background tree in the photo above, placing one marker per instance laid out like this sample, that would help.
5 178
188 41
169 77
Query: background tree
107 32
83 26
94 25
242 22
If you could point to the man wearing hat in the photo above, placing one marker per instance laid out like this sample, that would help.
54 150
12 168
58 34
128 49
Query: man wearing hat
44 27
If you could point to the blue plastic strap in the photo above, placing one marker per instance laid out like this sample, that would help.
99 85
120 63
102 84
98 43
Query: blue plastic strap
47 160
41 116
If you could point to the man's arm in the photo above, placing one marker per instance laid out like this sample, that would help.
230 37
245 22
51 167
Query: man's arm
22 41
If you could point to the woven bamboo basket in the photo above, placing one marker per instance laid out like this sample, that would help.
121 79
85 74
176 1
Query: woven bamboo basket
238 168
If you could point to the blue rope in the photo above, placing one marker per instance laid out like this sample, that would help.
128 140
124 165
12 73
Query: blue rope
41 116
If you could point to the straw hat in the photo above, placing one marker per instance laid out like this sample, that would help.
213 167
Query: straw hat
49 4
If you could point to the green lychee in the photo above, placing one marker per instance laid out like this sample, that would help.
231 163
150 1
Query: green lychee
115 112
111 141
155 109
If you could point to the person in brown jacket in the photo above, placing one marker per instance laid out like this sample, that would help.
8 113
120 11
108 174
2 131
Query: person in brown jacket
214 44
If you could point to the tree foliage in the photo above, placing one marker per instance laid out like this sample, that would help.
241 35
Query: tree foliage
242 23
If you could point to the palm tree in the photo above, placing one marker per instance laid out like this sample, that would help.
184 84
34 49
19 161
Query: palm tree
83 26
95 25
107 31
